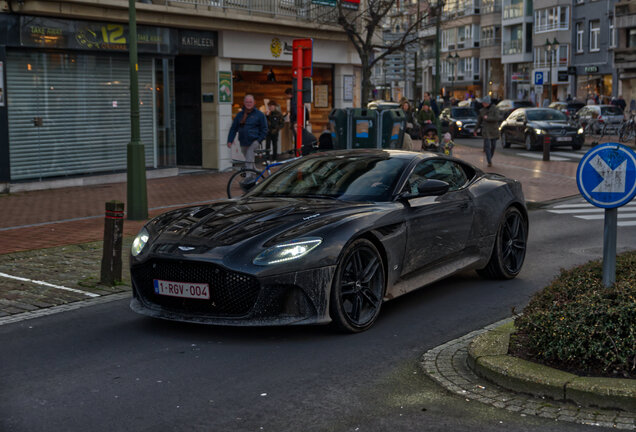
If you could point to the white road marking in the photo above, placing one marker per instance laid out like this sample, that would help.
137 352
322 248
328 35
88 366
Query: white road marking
60 287
540 156
601 216
627 223
585 205
568 155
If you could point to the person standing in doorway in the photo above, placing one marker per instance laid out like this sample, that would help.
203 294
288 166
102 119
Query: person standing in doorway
275 123
489 122
251 126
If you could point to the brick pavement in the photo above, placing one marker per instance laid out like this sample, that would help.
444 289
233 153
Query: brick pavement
26 217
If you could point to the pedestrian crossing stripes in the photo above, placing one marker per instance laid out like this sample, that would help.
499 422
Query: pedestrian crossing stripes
586 211
557 156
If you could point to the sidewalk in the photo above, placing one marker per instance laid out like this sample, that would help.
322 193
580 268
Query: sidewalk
50 218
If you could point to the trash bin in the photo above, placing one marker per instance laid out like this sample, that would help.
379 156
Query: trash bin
338 122
393 122
364 128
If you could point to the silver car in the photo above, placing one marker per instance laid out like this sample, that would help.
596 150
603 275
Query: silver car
599 117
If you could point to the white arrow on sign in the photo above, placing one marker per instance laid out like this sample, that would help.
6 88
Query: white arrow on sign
613 179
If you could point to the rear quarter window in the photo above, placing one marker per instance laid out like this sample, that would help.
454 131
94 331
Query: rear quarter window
611 111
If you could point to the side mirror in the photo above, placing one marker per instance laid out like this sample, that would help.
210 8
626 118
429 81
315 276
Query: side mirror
426 188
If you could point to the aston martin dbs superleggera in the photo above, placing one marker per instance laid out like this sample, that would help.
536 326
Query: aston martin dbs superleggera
329 238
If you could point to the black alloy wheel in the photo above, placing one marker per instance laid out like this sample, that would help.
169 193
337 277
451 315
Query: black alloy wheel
358 287
509 250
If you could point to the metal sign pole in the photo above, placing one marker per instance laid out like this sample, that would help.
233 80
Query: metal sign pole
609 247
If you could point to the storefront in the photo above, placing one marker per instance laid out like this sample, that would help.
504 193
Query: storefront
592 82
68 99
519 84
262 66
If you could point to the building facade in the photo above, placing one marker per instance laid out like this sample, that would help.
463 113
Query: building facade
625 51
64 98
593 43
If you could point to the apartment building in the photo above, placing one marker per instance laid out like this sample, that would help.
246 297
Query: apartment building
552 49
64 74
625 51
516 53
593 42
492 70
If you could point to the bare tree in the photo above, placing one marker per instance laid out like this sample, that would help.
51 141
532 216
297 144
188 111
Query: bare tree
364 28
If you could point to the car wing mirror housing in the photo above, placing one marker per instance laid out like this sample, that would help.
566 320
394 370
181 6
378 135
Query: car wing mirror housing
426 188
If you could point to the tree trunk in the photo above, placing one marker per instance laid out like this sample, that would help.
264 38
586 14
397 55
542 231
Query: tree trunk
366 81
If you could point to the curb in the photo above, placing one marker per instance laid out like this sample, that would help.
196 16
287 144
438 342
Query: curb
488 358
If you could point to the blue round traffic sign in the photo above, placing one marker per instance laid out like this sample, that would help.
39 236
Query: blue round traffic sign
606 175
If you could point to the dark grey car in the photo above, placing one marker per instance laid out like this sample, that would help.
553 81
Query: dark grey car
534 127
329 238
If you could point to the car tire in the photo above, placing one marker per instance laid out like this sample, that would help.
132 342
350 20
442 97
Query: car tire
505 143
358 287
509 250
529 143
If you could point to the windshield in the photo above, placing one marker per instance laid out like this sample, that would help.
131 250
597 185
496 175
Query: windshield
545 115
518 104
611 111
464 112
348 177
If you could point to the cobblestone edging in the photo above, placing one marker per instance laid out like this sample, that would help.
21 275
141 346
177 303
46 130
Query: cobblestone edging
62 308
447 365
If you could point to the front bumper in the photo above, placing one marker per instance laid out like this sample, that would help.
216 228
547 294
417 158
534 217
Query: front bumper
235 299
560 140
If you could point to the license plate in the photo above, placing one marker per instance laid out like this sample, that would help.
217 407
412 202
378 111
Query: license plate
182 289
564 139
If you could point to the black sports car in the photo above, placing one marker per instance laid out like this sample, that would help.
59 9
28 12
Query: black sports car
329 237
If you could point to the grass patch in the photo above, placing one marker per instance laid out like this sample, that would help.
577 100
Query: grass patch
577 325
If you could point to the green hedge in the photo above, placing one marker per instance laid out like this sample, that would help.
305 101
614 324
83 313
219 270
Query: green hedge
577 324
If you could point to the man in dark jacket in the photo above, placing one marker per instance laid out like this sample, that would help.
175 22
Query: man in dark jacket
275 122
251 126
489 122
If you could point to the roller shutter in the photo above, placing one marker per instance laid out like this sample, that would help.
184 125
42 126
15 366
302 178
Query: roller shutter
70 114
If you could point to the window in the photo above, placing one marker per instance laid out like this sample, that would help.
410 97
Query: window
579 37
631 38
612 33
554 18
595 32
437 169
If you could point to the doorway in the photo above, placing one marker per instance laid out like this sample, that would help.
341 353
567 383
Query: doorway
188 110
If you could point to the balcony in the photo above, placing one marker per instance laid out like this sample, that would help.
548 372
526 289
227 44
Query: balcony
624 55
488 42
299 9
513 47
551 27
490 8
513 11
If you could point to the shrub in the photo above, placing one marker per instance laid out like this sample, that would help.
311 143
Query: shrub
577 324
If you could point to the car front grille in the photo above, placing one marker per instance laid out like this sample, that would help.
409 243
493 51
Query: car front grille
232 294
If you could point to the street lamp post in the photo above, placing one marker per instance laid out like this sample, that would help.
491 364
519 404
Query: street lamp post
551 48
452 60
437 5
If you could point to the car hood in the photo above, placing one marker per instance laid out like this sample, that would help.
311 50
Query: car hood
267 221
550 125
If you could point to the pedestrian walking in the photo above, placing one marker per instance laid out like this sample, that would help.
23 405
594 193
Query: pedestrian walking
275 122
489 122
251 126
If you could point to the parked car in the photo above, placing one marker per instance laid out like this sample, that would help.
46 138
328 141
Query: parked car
459 121
600 117
507 106
382 105
533 127
567 108
329 238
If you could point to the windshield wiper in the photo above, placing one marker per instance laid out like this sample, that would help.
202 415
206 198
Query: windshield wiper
315 196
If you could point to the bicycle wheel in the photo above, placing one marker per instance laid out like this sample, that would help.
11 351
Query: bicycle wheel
240 183
623 133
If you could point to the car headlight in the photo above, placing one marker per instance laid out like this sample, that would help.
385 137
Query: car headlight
139 242
459 123
580 131
539 131
287 251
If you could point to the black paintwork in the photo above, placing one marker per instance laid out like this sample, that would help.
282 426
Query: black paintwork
449 118
421 239
517 128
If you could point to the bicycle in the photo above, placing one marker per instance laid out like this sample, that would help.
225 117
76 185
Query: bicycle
594 129
627 131
245 179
